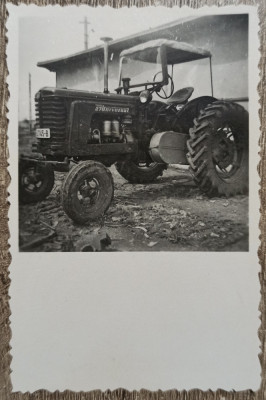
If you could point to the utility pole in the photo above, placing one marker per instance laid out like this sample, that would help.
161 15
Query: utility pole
86 35
30 113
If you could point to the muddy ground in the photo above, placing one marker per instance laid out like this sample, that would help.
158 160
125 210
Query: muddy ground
170 214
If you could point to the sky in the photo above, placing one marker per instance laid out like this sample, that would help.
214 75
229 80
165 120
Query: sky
46 33
58 32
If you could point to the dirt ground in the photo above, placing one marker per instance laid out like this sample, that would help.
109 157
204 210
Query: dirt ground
170 214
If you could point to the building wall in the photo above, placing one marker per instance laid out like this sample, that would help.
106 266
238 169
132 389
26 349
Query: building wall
226 40
88 75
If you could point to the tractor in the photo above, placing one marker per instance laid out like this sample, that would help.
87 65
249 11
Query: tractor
141 128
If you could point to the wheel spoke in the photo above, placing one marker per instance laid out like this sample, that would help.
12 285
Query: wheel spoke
88 192
164 92
226 151
31 180
171 87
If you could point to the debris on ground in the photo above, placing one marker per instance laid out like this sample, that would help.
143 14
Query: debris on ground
38 239
151 244
94 243
162 216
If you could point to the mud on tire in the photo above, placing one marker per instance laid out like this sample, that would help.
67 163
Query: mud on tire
87 191
137 173
218 149
36 180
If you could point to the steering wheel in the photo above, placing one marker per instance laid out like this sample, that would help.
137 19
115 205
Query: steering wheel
163 95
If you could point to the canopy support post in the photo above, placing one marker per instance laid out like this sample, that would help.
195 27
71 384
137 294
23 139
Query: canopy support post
211 75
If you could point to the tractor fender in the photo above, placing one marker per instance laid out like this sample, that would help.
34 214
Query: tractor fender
184 119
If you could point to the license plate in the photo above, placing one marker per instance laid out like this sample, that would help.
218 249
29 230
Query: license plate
43 133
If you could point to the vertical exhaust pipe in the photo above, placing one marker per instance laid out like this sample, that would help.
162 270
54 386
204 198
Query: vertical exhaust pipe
105 73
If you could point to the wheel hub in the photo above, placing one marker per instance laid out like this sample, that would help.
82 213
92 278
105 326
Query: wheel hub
31 179
223 150
88 191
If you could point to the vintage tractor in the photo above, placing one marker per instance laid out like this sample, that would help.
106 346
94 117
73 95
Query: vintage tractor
138 133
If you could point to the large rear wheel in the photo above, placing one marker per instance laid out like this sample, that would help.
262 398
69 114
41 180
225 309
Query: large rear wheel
218 149
87 191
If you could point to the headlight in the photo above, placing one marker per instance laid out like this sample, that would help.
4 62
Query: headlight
145 96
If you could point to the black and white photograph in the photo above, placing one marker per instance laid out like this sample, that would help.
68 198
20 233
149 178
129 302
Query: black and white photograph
133 132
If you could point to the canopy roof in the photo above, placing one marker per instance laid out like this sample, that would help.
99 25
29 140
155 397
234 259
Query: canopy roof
176 52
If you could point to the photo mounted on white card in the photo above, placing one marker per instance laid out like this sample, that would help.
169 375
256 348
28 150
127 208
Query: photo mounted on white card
134 131
134 139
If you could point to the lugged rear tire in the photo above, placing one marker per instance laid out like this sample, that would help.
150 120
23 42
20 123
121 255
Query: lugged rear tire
134 173
87 191
218 149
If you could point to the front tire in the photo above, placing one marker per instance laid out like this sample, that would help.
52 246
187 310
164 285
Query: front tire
135 172
36 180
87 191
218 149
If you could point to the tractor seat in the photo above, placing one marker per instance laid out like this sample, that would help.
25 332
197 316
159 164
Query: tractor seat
180 96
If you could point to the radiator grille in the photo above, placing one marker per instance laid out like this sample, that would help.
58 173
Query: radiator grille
50 113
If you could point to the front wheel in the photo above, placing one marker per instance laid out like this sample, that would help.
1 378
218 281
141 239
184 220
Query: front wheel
36 180
87 191
140 172
218 149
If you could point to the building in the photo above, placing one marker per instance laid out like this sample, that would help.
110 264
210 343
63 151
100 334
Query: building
225 36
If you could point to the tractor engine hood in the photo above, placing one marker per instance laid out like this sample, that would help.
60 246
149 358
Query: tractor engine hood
73 94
